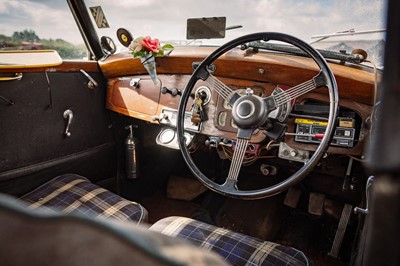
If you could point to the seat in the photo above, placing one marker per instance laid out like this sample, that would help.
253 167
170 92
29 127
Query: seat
40 237
68 203
235 248
73 193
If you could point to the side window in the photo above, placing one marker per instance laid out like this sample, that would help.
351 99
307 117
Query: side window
40 25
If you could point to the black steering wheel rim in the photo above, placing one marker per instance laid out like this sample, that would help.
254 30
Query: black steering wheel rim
309 165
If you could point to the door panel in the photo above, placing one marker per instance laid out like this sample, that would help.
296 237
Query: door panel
32 139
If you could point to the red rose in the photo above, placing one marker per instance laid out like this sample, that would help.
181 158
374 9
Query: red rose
151 45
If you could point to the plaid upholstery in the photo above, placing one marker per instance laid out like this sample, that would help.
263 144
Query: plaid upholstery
74 193
236 248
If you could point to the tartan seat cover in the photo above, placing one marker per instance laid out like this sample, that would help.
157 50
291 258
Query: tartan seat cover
235 248
74 193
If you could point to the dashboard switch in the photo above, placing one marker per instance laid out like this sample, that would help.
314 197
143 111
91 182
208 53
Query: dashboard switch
288 153
173 91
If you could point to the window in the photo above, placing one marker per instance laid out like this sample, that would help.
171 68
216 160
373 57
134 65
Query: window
40 25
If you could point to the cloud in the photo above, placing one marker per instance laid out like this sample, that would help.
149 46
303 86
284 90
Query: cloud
49 19
167 19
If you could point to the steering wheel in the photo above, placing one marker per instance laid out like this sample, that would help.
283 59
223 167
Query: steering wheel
250 112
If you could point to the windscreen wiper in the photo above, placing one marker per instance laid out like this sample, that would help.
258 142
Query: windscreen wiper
343 57
350 32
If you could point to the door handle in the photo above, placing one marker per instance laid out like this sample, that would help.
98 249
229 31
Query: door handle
68 114
17 76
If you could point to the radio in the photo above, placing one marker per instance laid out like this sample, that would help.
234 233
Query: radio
344 134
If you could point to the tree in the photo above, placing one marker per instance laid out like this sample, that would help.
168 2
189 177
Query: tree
26 35
65 49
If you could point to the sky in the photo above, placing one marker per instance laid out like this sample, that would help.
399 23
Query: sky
166 20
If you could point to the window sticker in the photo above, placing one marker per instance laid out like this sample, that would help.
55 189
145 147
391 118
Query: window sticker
99 17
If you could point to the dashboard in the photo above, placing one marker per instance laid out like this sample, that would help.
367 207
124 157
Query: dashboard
131 92
137 96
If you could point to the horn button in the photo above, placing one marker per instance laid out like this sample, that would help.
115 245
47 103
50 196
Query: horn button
249 112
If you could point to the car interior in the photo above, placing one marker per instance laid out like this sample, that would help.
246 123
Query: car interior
242 154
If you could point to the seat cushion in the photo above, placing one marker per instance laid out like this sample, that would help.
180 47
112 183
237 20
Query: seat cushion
37 237
236 248
74 193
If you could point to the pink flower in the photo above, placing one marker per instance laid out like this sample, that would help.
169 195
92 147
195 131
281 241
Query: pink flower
151 45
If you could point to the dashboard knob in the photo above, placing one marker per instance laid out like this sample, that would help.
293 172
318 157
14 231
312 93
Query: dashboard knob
293 153
207 143
173 91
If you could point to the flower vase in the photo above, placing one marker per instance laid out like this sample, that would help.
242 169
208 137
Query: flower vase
149 64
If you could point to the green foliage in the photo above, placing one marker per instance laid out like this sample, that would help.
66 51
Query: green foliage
26 36
6 41
66 49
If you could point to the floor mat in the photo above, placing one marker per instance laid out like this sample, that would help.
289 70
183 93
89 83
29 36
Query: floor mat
258 218
159 206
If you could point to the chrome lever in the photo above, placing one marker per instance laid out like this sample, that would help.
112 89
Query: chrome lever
68 115
359 210
92 83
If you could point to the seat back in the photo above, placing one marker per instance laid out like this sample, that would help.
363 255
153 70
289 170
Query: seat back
37 237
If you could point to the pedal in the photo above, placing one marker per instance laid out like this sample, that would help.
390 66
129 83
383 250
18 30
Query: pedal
316 203
292 197
344 220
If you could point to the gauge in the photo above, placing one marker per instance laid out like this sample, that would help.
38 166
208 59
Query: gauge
222 119
283 111
167 136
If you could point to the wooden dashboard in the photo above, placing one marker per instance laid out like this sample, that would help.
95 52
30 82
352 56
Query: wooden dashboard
237 70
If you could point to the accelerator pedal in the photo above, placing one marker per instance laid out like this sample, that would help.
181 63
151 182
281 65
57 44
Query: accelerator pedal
344 220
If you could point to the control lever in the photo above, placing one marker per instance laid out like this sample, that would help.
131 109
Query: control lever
359 210
347 177
68 115
91 83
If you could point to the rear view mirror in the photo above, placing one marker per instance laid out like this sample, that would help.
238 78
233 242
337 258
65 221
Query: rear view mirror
206 28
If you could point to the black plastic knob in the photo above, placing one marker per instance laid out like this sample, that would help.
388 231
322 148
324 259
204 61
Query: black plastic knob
173 91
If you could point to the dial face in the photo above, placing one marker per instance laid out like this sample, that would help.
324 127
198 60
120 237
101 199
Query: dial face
222 118
167 136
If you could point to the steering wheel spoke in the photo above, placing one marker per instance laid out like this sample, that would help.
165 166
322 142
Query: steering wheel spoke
237 158
230 185
298 90
223 90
